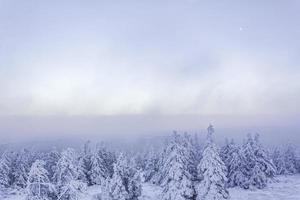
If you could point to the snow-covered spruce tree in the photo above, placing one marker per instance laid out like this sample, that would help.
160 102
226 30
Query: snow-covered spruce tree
177 183
96 165
65 167
235 170
190 154
227 150
125 183
263 158
98 172
117 190
230 154
6 164
258 166
84 163
51 159
248 160
21 168
108 157
258 178
38 184
66 176
134 184
158 177
151 166
213 169
279 162
82 170
290 159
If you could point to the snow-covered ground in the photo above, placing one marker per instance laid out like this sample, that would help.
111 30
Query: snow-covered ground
285 188
150 192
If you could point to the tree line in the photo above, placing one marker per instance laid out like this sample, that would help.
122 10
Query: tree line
183 166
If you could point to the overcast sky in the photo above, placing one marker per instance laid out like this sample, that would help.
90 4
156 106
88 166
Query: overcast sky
158 57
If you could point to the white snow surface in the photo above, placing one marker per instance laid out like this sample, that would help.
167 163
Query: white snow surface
284 188
151 192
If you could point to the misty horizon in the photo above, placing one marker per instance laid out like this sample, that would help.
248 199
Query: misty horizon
273 130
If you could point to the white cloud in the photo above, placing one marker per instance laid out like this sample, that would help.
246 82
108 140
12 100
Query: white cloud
170 61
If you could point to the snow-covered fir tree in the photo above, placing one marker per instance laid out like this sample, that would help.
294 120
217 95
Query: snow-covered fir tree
190 155
84 163
279 161
117 187
108 157
95 165
117 190
98 172
21 168
290 159
134 184
258 178
66 167
151 166
248 160
227 150
235 170
66 176
51 159
82 170
263 158
125 183
230 154
177 183
158 177
39 186
258 166
6 164
213 169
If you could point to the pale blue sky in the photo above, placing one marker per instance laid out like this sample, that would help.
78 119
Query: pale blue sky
87 58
